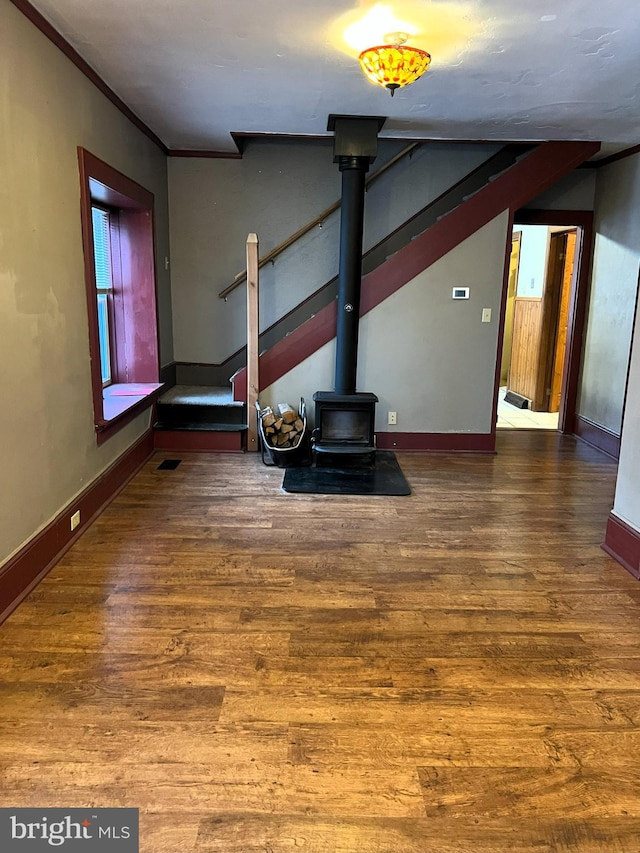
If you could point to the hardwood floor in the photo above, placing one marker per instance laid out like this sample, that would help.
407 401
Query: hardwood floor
450 672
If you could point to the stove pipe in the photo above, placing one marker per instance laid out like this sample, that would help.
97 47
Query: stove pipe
355 148
353 171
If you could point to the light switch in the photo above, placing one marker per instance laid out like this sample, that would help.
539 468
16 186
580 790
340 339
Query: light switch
486 315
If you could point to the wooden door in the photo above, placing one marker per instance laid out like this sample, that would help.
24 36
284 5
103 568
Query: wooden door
563 321
535 332
549 319
514 264
525 350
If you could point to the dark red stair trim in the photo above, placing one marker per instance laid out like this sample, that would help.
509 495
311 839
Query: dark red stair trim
518 185
202 441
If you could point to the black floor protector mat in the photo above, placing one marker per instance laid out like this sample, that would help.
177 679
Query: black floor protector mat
383 476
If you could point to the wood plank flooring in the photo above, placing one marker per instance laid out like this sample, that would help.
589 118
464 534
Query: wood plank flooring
454 671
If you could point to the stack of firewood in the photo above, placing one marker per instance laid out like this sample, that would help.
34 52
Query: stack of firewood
282 430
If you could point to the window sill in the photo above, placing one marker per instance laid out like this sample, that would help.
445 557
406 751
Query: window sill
123 402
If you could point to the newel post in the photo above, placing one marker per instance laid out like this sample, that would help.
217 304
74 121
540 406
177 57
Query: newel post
253 380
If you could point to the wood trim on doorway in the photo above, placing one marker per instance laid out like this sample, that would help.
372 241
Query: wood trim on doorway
556 366
583 221
501 325
510 304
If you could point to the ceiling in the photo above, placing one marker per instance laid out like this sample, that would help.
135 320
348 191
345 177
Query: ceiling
195 71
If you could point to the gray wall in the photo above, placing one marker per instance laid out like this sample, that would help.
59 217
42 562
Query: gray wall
427 357
533 259
619 232
215 204
612 193
273 191
627 498
612 297
573 192
47 433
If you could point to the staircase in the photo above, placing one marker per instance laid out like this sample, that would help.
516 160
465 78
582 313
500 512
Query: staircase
197 417
464 189
512 187
214 418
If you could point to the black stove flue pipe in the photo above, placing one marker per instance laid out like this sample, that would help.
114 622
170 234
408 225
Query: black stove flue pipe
355 148
353 171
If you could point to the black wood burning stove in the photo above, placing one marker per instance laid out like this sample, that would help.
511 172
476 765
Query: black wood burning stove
344 423
345 418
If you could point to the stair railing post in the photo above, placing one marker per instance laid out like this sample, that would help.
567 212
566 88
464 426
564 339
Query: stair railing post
253 379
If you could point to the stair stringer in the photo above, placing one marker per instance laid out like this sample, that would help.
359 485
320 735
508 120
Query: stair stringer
511 190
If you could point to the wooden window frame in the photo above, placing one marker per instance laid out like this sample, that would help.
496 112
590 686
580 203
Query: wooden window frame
111 293
134 334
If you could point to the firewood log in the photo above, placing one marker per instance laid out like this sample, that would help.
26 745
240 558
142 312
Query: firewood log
288 414
282 426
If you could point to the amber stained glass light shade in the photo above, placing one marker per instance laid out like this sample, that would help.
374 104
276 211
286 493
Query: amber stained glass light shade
393 66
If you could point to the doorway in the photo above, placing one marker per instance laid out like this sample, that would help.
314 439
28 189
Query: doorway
539 326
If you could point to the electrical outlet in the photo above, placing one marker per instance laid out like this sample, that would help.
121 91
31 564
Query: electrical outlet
75 520
393 418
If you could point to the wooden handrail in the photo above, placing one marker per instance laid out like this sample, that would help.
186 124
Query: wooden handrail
241 276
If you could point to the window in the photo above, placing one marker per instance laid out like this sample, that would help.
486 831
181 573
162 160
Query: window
117 224
101 222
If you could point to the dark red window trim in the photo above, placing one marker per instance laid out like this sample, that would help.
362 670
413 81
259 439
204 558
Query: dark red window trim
136 326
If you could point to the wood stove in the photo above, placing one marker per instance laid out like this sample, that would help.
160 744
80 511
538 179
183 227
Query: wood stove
345 418
345 423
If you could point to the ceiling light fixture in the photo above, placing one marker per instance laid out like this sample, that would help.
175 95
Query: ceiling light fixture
394 64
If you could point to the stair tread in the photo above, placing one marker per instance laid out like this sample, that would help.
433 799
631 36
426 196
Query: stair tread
199 395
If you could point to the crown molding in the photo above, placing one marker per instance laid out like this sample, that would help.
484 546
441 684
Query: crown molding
205 154
48 30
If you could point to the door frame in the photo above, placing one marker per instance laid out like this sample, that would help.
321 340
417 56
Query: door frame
555 366
516 238
583 221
